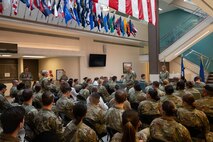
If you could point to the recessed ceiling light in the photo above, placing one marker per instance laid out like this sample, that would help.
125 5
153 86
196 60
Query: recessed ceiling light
28 56
6 55
160 9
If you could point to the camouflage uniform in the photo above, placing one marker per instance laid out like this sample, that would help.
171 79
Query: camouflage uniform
194 118
160 93
26 78
64 77
13 91
65 105
175 99
163 76
7 138
199 86
149 107
37 99
30 113
79 133
194 92
4 104
180 93
139 136
106 96
168 130
130 79
137 97
114 118
206 105
46 120
97 114
85 93
209 137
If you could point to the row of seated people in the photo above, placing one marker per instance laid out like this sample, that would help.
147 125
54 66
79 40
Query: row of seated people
65 105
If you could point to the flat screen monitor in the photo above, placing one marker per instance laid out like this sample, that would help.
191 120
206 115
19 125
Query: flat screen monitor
97 60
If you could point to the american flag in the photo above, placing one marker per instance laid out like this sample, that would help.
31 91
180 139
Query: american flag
1 7
141 9
15 6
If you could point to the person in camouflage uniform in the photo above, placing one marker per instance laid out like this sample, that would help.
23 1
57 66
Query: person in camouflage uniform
26 77
12 121
170 97
84 92
155 85
166 129
137 95
114 114
180 89
13 89
130 78
150 107
65 103
130 123
205 104
30 114
4 104
37 97
76 130
164 74
190 88
103 91
192 118
96 113
198 84
46 120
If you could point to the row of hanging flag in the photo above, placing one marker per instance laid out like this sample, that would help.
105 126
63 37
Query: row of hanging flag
84 12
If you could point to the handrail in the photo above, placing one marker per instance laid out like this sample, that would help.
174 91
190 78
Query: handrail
180 30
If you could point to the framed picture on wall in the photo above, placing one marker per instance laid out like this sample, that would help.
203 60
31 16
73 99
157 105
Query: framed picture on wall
126 65
59 73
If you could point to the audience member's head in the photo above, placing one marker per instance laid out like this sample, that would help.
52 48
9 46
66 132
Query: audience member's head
47 98
189 84
12 119
79 111
208 90
155 84
65 88
114 78
120 96
44 73
70 82
27 94
188 99
169 90
197 79
130 122
165 82
94 98
15 82
153 94
168 108
89 80
3 88
37 88
76 81
137 87
180 85
21 86
143 76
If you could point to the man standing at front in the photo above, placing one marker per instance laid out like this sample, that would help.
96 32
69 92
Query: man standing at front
130 78
26 77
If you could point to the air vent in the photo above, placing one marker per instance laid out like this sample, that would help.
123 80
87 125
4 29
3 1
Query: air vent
8 48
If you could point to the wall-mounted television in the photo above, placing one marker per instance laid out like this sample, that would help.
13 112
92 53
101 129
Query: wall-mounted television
97 60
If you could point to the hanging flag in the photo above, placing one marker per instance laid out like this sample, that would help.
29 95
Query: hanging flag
76 14
67 14
125 25
108 24
182 69
37 3
141 9
202 75
105 24
60 9
1 7
44 8
134 30
122 28
15 6
118 26
128 29
91 21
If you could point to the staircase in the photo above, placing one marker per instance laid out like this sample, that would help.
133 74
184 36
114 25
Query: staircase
210 78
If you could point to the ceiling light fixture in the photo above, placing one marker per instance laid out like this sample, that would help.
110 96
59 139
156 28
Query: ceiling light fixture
5 55
29 56
160 9
191 43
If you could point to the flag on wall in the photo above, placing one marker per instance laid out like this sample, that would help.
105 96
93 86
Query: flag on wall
15 6
141 9
202 75
1 7
182 70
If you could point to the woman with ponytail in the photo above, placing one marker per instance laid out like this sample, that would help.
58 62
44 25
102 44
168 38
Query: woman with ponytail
166 129
130 123
193 119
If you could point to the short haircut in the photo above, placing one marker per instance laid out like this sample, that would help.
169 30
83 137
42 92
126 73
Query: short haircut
11 118
47 98
65 87
142 75
21 86
180 85
2 86
137 87
153 94
189 99
120 96
79 110
27 94
37 88
114 78
169 89
75 80
156 84
189 84
196 78
95 95
169 108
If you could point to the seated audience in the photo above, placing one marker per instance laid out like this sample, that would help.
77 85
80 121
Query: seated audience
130 125
180 89
190 88
4 103
12 120
76 130
84 92
166 129
198 84
170 97
194 120
13 89
137 95
155 85
37 96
